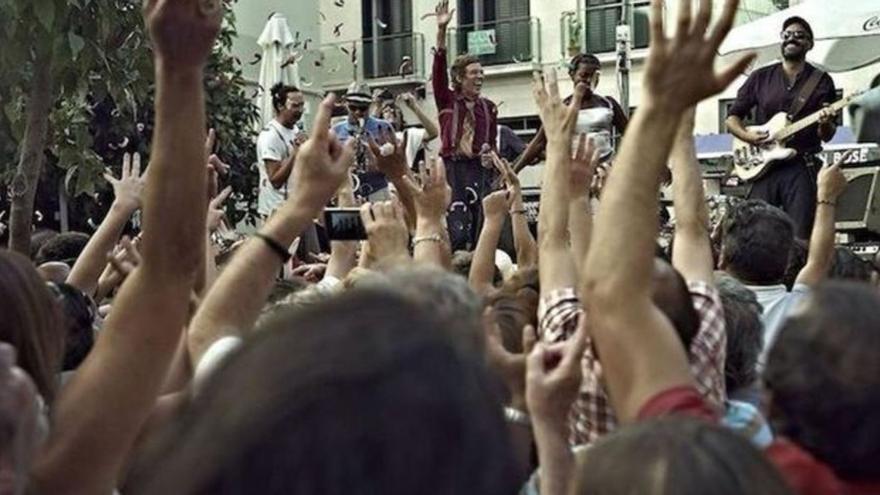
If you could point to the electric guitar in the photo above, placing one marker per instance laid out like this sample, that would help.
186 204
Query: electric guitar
751 161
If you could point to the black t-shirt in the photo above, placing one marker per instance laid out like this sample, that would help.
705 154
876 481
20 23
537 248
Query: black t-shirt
768 92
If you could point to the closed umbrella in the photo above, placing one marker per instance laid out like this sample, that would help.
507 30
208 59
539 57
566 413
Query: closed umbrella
277 43
847 34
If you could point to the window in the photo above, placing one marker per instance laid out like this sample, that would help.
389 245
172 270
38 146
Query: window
505 23
388 36
602 18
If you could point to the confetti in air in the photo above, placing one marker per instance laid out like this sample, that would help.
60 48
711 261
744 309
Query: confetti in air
337 29
339 3
257 58
381 24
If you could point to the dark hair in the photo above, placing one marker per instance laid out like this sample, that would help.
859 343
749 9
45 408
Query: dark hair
78 320
583 58
847 265
756 242
30 321
798 20
459 68
39 238
680 456
824 375
797 259
341 398
745 333
673 297
65 248
279 94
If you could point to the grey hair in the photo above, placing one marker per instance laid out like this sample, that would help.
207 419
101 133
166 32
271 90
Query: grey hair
745 331
447 295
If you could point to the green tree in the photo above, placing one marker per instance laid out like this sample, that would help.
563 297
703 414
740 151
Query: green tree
76 90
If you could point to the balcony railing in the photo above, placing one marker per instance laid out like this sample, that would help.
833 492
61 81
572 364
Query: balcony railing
396 56
505 41
593 30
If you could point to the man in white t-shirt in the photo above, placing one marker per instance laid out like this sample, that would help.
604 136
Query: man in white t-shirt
277 146
756 242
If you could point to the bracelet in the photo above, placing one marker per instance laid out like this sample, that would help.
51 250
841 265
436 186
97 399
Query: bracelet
275 246
517 417
427 238
825 202
518 212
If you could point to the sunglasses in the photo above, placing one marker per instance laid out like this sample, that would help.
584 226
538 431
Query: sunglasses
796 35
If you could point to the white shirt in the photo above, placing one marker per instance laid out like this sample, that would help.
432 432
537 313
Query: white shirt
274 144
415 138
778 303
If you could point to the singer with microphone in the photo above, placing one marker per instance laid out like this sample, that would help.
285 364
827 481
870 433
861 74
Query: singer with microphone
371 184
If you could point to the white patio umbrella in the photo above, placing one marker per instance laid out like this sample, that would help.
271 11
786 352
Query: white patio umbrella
276 42
847 34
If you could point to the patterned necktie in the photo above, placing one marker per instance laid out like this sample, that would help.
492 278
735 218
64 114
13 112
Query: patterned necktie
466 143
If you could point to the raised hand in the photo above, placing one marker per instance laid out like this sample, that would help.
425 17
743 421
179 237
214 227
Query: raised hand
183 31
392 164
553 377
386 230
433 197
120 263
215 209
322 163
407 99
444 15
583 166
680 70
831 183
559 119
497 204
128 189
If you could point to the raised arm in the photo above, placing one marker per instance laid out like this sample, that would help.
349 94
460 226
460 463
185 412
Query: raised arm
495 207
641 354
580 215
443 96
525 245
234 302
692 248
431 129
444 16
832 183
127 366
555 263
532 151
431 240
343 254
127 193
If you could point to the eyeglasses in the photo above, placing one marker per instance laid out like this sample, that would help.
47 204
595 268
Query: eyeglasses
797 35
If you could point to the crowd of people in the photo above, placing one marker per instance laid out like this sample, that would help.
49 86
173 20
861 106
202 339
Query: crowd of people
739 360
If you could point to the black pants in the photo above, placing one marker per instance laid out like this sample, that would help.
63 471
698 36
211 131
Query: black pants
791 186
470 182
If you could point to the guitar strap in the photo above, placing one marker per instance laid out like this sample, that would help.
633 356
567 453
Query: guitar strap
806 91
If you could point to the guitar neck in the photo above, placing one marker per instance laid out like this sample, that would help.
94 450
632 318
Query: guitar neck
796 127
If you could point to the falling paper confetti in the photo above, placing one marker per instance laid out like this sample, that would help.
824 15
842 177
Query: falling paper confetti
306 43
429 14
305 82
257 58
323 17
381 24
344 50
339 3
337 29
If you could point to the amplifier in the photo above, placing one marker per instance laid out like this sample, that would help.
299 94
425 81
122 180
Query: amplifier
859 206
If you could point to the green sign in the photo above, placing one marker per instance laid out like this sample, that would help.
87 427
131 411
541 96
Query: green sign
481 42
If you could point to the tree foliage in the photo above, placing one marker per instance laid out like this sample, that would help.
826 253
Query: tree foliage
103 90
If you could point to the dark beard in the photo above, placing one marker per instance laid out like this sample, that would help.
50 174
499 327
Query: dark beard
800 57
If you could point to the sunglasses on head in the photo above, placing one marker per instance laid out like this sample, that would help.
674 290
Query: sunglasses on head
797 35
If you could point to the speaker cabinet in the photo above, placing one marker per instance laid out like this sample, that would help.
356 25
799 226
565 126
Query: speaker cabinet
859 206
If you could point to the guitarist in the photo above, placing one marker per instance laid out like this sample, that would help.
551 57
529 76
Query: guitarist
799 89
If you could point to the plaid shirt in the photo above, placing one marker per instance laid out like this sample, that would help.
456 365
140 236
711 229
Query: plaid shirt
592 415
